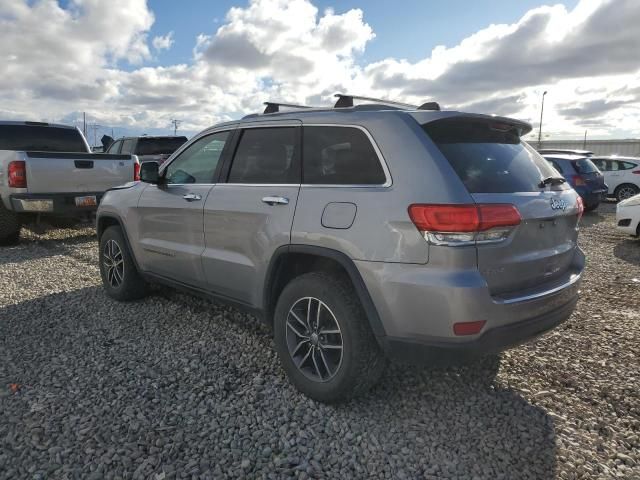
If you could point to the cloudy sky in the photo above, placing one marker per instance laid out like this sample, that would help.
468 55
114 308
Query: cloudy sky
133 65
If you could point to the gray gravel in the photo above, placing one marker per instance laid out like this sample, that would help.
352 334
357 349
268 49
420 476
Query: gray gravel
177 387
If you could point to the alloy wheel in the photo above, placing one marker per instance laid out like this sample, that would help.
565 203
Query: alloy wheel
626 192
113 262
314 339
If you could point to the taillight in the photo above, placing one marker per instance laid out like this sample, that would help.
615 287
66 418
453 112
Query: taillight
637 172
578 181
580 205
464 224
17 174
136 171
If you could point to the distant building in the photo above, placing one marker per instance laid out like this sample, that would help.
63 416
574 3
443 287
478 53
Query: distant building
628 148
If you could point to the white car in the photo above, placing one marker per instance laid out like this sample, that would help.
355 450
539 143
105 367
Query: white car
628 215
621 174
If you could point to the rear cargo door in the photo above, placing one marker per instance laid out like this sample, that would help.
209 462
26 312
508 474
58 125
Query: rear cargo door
76 172
497 167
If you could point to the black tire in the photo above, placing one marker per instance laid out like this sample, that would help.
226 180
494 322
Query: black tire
9 226
626 190
361 363
591 208
131 285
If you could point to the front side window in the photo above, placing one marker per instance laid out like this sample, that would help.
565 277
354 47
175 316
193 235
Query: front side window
266 155
340 156
127 146
115 147
198 162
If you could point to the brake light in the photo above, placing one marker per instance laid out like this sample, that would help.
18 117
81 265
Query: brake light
468 328
464 224
17 174
578 181
637 172
580 205
136 171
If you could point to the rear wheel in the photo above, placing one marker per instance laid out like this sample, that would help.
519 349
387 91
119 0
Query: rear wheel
323 338
9 226
626 190
120 276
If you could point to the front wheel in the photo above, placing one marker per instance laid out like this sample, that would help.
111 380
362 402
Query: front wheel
120 276
324 340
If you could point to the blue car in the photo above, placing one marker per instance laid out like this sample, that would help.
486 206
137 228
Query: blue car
583 176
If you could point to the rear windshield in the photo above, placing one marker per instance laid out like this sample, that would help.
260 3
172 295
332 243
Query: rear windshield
40 138
489 158
584 165
159 146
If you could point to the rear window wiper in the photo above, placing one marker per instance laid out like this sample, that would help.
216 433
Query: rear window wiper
551 181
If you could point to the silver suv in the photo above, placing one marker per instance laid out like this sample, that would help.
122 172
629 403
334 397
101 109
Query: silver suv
361 234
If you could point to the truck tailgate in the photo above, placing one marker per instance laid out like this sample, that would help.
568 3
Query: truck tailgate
77 172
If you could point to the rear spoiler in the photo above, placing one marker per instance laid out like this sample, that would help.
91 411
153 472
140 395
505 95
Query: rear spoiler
433 116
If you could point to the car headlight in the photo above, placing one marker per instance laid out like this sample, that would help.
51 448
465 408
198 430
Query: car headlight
630 202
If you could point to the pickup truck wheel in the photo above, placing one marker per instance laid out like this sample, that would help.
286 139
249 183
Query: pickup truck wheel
323 339
9 226
120 276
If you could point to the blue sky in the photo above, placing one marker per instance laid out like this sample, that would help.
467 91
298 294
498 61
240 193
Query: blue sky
409 30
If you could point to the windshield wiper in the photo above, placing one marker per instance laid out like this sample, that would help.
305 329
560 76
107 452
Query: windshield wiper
551 181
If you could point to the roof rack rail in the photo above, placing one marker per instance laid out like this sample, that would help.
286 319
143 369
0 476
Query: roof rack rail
346 100
274 107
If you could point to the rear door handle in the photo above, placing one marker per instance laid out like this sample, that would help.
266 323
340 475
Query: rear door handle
275 200
192 197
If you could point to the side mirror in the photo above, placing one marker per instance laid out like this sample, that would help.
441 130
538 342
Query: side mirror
149 172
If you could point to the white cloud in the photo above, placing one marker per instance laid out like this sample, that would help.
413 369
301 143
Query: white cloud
163 42
92 56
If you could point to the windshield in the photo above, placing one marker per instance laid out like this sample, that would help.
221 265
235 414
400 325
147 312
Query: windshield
584 165
159 146
41 138
489 158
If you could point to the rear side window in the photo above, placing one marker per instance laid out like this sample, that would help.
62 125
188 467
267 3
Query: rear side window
584 165
340 156
489 158
159 146
266 155
41 138
627 165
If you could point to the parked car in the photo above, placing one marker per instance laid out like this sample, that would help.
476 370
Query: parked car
622 175
47 169
583 176
568 151
147 148
360 234
628 215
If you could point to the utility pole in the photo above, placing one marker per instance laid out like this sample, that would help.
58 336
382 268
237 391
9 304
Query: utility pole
540 130
84 124
95 127
175 124
584 144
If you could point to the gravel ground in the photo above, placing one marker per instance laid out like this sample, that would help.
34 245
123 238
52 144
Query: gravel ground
177 387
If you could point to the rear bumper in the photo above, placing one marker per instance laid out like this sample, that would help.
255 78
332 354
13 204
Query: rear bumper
62 204
419 305
495 340
592 197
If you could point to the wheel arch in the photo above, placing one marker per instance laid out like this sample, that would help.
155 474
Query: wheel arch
110 220
290 261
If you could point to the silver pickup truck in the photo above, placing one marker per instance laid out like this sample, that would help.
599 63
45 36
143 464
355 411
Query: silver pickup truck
48 169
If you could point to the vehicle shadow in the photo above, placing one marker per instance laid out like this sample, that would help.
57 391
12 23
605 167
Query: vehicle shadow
592 218
163 358
628 251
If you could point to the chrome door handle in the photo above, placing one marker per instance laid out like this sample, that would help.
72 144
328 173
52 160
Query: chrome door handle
192 197
275 200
